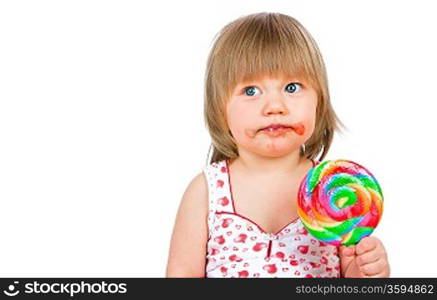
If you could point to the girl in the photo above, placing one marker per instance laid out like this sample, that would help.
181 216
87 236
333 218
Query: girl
268 112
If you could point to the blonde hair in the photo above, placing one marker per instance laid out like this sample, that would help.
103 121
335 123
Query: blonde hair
264 44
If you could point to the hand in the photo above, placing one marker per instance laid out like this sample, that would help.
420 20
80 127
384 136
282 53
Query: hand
366 259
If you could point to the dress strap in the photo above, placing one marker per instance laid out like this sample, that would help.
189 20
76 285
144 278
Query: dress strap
315 162
218 190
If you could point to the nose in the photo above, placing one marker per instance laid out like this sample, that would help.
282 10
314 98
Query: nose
275 104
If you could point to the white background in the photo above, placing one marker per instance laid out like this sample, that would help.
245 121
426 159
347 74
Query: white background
101 124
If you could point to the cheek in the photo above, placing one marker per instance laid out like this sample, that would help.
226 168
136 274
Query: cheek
238 120
240 126
309 117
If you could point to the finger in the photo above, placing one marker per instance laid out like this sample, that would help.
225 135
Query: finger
384 274
380 275
367 244
369 257
347 256
347 251
374 268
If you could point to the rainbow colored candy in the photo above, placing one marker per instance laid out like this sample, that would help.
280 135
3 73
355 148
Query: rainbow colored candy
340 202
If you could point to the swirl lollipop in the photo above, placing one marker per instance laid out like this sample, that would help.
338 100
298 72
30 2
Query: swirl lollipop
340 202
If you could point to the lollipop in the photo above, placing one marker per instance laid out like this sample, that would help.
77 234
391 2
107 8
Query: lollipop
340 202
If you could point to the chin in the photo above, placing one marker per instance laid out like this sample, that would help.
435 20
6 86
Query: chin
276 151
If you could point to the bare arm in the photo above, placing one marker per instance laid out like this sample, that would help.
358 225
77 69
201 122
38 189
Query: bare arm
187 255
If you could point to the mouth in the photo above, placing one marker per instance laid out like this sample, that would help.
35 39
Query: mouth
277 129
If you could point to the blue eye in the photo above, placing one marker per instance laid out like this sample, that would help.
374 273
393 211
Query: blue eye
250 91
292 87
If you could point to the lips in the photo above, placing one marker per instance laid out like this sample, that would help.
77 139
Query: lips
277 126
276 130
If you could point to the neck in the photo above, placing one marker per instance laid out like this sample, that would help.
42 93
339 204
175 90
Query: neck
255 164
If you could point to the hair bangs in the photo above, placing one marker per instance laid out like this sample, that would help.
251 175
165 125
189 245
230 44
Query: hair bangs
268 49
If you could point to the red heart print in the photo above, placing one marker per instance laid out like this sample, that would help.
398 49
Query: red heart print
294 262
226 222
220 183
223 201
271 269
303 231
234 257
259 246
241 238
243 274
215 251
220 240
303 249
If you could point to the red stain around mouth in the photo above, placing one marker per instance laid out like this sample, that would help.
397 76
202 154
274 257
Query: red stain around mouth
299 128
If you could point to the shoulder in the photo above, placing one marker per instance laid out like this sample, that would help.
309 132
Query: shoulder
193 207
197 193
197 190
198 184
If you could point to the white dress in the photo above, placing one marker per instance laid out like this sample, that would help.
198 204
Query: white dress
238 247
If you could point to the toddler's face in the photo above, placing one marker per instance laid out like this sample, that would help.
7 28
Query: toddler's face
257 104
